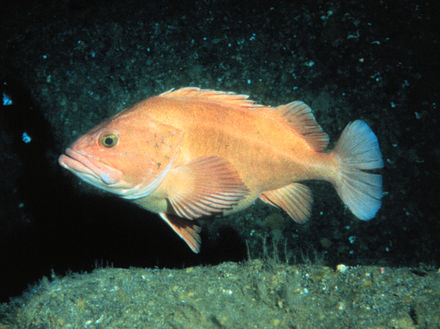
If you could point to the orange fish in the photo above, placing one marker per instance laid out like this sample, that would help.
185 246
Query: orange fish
191 153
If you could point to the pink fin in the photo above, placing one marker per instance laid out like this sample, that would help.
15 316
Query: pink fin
220 97
186 229
295 199
205 186
301 119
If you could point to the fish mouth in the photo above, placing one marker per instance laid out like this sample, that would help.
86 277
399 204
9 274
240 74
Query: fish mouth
89 169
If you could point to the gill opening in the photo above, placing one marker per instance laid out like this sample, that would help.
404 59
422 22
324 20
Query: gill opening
142 190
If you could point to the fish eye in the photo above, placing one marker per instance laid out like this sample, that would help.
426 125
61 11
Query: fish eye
108 140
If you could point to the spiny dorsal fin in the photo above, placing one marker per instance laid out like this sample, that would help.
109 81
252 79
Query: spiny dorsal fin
297 114
221 97
301 119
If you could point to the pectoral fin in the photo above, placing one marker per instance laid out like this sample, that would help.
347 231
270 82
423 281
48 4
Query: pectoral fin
203 187
188 230
295 199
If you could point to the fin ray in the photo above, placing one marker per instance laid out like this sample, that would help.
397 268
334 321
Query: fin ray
357 150
188 230
300 117
220 97
295 199
205 186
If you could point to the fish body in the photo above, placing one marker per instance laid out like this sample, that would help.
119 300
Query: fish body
191 153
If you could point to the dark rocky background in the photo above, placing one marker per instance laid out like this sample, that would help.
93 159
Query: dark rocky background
67 65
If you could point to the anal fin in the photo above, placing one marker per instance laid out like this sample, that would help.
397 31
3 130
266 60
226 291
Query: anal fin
188 230
295 199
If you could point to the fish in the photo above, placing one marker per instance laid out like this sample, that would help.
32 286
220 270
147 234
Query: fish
193 153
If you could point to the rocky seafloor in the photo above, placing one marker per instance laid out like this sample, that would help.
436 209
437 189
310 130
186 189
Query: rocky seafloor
67 65
254 294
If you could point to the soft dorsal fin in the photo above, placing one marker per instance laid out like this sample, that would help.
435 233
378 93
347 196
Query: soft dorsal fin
220 97
300 117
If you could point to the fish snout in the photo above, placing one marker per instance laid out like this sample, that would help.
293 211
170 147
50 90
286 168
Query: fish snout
89 168
62 161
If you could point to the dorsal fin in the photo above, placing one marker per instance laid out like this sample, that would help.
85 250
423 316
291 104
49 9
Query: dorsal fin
221 97
298 115
301 119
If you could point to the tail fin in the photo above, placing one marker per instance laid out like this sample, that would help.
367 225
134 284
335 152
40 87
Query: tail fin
358 150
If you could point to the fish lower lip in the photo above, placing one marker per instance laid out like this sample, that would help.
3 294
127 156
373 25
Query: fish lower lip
70 162
83 165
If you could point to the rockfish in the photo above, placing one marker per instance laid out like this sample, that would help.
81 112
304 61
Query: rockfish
191 153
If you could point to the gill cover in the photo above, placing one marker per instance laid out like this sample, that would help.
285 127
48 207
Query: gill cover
146 149
128 154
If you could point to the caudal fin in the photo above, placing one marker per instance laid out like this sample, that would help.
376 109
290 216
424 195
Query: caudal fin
358 150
